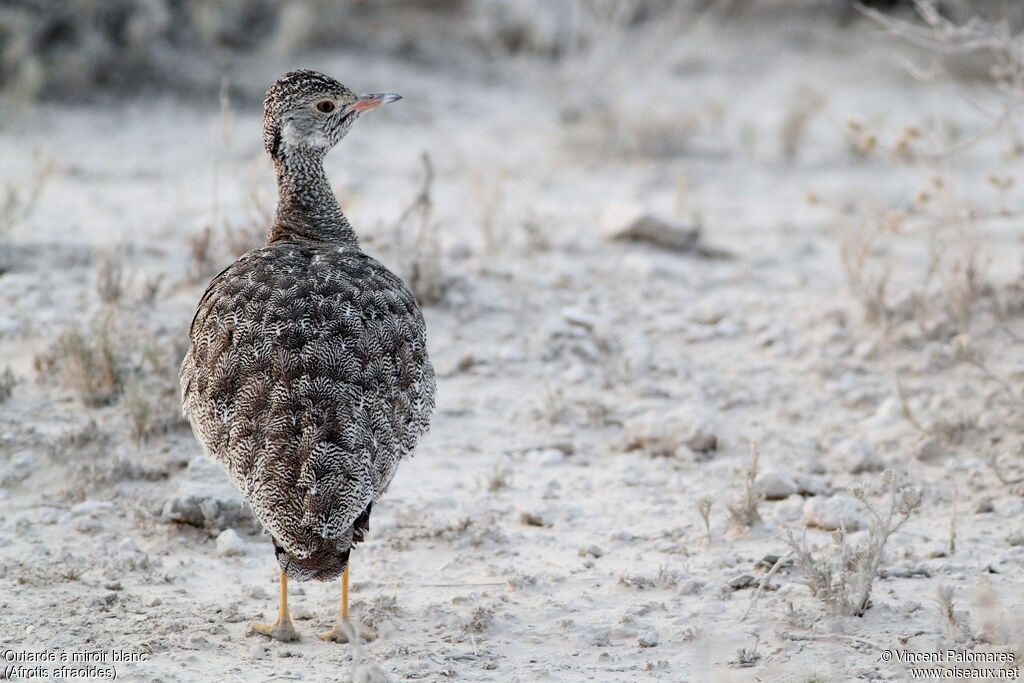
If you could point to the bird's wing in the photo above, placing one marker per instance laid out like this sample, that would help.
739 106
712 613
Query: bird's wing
308 380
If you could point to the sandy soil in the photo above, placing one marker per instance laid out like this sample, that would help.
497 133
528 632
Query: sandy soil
548 527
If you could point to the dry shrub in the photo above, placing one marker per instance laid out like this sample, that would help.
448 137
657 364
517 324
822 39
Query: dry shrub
842 577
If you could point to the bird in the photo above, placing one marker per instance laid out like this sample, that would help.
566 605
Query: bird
307 375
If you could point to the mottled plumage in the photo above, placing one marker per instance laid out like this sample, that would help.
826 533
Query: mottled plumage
308 377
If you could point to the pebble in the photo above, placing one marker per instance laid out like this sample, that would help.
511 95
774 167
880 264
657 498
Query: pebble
859 455
659 432
1010 507
702 442
775 484
830 513
591 550
217 507
255 591
230 544
546 456
648 638
810 484
928 448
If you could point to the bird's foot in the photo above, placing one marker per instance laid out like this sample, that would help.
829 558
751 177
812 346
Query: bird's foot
281 629
345 632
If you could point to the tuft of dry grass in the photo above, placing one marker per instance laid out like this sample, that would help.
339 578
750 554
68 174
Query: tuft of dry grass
417 238
805 104
7 382
743 512
704 505
109 279
21 199
201 263
86 361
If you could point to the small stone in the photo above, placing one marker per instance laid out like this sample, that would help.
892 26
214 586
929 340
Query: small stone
591 550
255 591
663 433
742 581
648 638
258 652
860 456
775 484
831 513
546 456
151 601
810 484
1010 507
531 519
630 223
702 442
230 544
928 448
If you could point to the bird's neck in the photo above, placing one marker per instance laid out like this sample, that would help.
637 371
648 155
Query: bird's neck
306 205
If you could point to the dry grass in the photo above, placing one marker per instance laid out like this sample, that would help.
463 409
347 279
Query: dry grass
805 104
743 512
21 199
7 382
88 362
109 278
417 238
704 505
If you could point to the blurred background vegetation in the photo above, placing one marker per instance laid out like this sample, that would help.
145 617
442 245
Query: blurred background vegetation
75 49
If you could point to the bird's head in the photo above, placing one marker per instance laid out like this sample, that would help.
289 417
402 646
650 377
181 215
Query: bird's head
308 112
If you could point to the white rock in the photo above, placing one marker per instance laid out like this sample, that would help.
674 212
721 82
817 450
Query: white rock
928 448
888 414
659 432
775 484
230 544
89 507
1010 507
810 484
831 513
648 638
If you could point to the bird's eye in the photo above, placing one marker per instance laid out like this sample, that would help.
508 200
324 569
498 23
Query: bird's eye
326 106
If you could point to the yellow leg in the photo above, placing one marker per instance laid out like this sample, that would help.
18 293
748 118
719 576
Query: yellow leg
342 631
282 628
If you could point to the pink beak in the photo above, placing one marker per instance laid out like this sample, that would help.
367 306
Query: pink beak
372 100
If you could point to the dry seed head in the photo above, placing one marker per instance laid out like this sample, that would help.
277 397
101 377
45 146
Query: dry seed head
910 500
